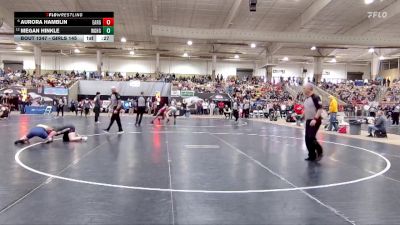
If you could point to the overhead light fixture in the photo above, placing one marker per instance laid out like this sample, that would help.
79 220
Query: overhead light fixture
77 50
189 42
381 57
333 60
131 52
285 58
185 54
123 39
371 50
236 56
19 48
253 45
367 2
313 48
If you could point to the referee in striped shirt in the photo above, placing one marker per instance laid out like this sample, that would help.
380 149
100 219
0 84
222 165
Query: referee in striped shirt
141 103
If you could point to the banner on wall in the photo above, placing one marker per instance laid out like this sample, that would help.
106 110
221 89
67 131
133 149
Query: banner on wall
187 93
175 93
55 91
278 71
134 83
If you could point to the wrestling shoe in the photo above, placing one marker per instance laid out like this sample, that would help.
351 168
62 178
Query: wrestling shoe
309 159
19 142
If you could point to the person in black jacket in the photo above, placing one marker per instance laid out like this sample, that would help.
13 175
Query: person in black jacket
60 106
97 107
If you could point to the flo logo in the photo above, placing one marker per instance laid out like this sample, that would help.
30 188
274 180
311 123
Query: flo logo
376 14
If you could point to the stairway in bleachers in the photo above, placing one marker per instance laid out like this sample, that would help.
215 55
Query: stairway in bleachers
294 90
325 96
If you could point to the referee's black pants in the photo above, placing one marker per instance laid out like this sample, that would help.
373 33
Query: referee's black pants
312 144
115 117
96 111
139 115
236 114
395 118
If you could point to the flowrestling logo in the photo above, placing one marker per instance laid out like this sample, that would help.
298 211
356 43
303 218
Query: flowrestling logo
376 14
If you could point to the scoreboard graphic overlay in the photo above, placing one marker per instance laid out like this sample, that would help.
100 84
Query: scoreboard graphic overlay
64 26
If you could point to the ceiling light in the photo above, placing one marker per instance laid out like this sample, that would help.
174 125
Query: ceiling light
185 54
285 58
131 52
333 60
381 57
253 45
367 2
371 50
189 42
123 39
77 50
237 56
313 48
19 48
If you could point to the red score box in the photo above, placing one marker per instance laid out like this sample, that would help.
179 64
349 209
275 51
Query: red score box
108 22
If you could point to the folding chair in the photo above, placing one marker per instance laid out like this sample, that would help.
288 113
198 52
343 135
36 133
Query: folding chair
48 110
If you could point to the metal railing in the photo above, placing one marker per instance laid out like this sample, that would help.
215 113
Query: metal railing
292 91
381 93
325 96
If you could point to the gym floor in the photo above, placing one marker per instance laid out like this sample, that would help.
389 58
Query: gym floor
201 171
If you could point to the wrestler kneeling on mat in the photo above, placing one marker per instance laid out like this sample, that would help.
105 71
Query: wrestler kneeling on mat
69 134
40 130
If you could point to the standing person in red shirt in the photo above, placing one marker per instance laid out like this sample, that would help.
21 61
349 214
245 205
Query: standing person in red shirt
299 110
221 106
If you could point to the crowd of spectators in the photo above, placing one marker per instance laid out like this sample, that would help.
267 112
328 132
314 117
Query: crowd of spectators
251 88
351 92
22 78
392 93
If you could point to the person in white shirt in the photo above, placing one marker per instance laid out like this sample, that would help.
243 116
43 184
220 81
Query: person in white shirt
246 108
235 109
205 107
283 110
212 108
148 105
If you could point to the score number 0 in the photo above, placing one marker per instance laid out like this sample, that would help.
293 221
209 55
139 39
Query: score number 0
108 26
108 22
